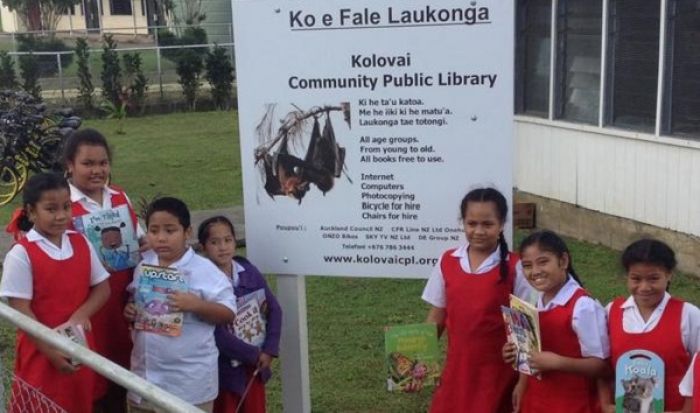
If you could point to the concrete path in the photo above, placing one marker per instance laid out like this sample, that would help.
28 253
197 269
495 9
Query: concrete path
235 214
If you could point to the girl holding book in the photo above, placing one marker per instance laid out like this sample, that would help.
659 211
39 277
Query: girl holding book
54 276
88 164
651 319
574 337
466 289
244 363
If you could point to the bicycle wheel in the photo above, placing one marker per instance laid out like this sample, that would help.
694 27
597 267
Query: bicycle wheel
21 170
9 184
50 153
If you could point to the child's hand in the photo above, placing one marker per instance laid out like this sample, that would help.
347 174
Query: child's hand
179 301
608 408
509 353
144 245
264 360
517 396
130 311
59 361
78 319
545 360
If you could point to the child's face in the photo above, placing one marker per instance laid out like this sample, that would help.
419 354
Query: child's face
543 269
647 283
221 244
482 226
167 237
89 170
52 213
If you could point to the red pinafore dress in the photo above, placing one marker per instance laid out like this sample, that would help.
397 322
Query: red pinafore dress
665 340
59 287
475 378
559 391
696 385
110 328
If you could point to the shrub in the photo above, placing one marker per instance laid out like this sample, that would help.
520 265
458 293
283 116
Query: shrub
46 63
189 67
136 83
191 35
29 67
8 79
85 88
220 77
111 71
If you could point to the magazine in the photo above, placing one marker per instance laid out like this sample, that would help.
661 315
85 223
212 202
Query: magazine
251 318
639 382
151 298
111 233
522 329
75 333
412 356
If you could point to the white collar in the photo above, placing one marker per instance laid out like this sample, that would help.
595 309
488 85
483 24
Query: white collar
78 195
630 303
151 258
237 270
34 235
563 295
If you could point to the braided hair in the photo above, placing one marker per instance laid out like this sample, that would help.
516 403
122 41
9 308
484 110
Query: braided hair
499 201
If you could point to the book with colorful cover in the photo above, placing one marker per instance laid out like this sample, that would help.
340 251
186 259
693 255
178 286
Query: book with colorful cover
639 382
522 329
75 333
412 356
111 233
153 286
250 324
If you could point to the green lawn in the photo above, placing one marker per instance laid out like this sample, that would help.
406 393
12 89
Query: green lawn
195 156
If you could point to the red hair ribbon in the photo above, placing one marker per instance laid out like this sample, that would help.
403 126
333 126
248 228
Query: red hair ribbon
13 226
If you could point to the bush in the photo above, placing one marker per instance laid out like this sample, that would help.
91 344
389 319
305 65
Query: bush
136 83
85 88
220 77
29 66
46 63
189 67
8 79
191 35
111 71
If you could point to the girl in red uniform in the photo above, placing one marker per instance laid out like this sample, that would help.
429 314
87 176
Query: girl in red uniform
87 160
573 333
466 290
650 319
54 276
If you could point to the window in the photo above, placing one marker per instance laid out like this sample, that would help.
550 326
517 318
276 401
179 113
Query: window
533 45
579 25
120 7
633 51
682 89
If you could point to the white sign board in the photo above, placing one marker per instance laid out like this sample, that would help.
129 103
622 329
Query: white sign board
364 123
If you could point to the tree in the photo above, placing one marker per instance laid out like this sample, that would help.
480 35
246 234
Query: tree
111 72
86 88
29 67
40 14
8 79
220 77
189 67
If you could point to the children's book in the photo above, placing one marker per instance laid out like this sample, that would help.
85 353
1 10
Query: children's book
151 298
251 318
522 329
639 382
75 333
111 233
412 356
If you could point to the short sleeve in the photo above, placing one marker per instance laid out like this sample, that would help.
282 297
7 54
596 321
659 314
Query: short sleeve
434 291
590 324
17 274
686 386
690 328
220 291
98 273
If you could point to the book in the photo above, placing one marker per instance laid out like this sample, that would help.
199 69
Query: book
639 382
111 233
75 333
412 356
523 329
153 286
250 324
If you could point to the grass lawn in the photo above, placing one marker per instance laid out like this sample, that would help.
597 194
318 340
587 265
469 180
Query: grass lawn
196 157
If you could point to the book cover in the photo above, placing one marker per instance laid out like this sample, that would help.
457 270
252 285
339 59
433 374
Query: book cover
522 329
412 356
250 324
639 382
75 333
153 314
111 233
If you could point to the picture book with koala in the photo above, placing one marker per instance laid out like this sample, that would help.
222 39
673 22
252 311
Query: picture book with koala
522 329
153 285
412 356
111 233
639 383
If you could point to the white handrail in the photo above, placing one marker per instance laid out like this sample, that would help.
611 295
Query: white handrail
155 395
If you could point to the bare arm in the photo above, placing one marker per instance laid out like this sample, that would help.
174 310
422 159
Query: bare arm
688 405
213 313
588 366
605 390
436 315
99 293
